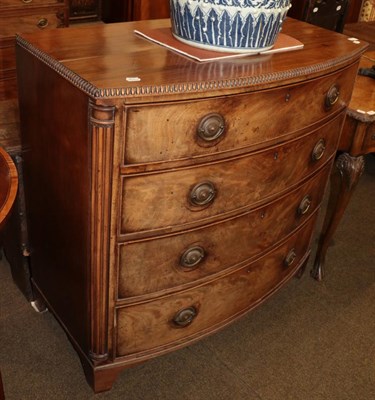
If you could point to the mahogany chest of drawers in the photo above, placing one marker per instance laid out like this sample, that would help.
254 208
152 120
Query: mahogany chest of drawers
166 197
20 16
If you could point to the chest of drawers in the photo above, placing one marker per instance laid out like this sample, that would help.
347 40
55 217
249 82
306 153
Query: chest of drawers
20 16
166 198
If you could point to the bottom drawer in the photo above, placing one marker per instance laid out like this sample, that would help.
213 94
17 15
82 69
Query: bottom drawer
178 319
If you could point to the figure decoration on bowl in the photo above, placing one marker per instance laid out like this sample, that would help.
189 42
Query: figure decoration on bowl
246 26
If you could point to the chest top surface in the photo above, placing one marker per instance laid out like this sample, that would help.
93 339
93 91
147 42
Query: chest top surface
99 58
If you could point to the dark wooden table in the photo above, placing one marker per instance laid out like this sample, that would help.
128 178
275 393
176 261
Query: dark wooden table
357 139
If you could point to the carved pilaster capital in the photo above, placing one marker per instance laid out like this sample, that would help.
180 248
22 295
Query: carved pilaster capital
101 116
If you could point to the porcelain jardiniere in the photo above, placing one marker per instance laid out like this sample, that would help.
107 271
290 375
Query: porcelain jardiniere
249 26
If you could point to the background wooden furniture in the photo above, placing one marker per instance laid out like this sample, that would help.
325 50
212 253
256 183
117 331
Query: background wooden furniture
83 11
354 11
329 14
20 16
357 139
164 201
8 192
8 185
135 10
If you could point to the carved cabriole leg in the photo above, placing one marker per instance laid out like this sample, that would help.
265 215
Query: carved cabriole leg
102 131
343 182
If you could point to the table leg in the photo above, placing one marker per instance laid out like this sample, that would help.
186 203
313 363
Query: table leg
344 179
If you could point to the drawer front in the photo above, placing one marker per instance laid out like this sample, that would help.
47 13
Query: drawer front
176 198
185 130
165 321
191 256
29 23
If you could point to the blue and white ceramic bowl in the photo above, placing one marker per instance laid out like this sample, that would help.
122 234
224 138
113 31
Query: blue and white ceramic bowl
247 26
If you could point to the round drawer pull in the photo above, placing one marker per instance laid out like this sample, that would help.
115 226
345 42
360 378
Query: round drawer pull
192 257
290 258
42 23
203 193
304 206
332 96
211 127
27 1
185 317
318 150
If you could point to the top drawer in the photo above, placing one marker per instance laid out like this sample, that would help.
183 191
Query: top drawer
184 130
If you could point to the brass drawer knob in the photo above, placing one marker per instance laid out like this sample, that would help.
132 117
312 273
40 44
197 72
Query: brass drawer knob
192 257
304 206
290 258
203 193
318 150
27 1
211 127
42 23
185 317
332 96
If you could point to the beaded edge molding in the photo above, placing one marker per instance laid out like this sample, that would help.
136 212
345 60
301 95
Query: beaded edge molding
186 87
